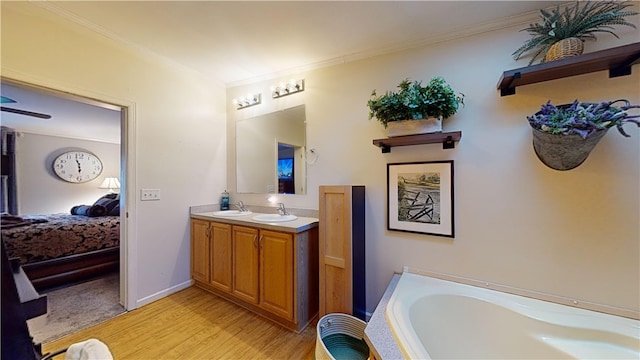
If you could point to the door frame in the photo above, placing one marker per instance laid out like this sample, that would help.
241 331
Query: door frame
128 256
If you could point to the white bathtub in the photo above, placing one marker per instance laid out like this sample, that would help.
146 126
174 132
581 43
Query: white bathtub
439 319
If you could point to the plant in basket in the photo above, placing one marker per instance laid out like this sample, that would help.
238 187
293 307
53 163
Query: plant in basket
564 135
562 32
415 108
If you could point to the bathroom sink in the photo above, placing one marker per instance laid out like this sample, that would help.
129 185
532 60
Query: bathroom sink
231 213
274 217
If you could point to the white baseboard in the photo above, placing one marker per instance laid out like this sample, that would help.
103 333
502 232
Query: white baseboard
163 293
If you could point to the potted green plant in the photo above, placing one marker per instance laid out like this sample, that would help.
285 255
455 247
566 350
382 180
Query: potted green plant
561 33
564 135
414 108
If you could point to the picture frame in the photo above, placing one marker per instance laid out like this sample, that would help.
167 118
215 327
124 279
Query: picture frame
420 197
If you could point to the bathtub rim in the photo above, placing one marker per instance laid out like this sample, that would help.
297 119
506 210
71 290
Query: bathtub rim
573 302
378 334
412 287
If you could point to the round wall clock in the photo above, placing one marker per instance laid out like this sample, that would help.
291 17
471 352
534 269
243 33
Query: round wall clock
77 166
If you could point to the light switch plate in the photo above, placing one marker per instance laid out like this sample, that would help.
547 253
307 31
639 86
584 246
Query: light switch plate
149 194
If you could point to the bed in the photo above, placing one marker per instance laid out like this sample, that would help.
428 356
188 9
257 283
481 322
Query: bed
59 249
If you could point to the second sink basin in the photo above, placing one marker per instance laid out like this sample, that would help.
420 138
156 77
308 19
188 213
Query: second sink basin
274 217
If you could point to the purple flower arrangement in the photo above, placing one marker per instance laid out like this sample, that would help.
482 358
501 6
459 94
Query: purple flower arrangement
583 118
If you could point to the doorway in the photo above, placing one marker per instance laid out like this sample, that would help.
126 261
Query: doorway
123 168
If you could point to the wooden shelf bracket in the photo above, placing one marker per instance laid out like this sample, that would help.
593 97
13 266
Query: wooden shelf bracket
447 139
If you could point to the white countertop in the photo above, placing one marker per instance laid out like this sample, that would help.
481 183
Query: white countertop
295 226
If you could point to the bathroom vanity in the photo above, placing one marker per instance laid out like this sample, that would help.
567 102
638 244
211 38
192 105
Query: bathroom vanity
270 268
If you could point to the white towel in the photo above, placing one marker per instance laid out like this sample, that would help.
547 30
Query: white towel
92 349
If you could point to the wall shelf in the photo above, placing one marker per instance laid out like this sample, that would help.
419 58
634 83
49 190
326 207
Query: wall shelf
447 139
617 60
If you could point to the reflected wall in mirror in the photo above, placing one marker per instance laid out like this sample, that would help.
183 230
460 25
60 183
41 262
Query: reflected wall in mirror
270 153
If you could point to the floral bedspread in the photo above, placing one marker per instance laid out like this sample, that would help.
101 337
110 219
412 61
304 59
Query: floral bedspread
59 236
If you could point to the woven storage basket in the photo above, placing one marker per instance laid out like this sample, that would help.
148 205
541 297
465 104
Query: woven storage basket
564 48
340 336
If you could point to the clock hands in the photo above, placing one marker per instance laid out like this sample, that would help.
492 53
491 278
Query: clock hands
79 168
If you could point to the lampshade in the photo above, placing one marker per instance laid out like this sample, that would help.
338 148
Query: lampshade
110 183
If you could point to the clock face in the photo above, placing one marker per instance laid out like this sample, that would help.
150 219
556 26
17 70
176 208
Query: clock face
77 166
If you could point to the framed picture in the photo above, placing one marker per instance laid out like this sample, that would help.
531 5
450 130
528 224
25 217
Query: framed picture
420 197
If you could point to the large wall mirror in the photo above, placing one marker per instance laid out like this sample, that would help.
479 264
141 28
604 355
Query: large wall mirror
270 153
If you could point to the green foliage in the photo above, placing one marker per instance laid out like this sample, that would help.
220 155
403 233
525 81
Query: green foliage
414 101
582 20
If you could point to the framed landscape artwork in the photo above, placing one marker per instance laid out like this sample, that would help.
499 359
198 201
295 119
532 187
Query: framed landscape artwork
420 197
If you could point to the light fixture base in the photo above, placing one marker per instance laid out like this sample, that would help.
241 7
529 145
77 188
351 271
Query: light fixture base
292 87
249 100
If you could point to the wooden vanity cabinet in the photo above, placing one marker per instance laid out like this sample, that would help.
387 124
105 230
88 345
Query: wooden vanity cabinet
221 256
246 284
276 273
200 250
273 273
211 253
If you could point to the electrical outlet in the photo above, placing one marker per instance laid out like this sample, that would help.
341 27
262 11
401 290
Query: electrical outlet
149 194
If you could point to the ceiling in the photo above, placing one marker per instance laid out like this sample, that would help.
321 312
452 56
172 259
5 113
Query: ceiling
69 117
237 42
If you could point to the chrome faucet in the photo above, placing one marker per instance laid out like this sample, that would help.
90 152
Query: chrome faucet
241 207
281 210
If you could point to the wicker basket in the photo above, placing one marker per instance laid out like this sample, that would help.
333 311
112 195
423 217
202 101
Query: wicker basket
414 127
564 48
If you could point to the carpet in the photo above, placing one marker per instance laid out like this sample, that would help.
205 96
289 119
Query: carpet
77 307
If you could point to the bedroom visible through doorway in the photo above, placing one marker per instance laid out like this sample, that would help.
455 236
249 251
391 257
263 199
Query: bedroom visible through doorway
77 125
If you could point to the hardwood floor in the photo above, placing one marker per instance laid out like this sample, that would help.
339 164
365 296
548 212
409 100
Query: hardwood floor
194 324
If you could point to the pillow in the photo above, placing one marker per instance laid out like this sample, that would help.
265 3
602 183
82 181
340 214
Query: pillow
115 211
86 210
109 201
110 196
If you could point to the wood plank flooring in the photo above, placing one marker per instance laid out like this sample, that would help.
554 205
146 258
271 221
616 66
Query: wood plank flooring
195 324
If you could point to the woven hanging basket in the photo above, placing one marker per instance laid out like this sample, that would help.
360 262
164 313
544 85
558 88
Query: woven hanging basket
564 48
564 152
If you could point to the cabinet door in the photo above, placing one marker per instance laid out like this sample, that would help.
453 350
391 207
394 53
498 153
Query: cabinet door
200 250
276 273
245 263
335 250
221 256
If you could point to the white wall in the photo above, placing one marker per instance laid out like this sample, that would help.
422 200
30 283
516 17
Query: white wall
176 131
40 191
518 223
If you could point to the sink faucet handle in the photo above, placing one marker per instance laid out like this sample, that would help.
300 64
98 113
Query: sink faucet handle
241 207
282 210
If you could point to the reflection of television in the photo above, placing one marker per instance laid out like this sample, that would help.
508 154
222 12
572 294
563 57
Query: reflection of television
285 169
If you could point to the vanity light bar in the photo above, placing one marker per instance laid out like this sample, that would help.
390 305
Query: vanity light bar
247 101
292 87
